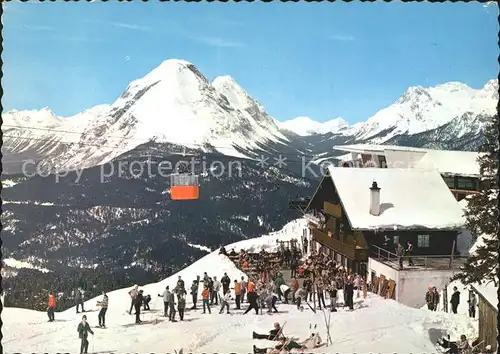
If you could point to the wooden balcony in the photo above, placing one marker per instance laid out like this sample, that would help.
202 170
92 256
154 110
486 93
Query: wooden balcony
350 250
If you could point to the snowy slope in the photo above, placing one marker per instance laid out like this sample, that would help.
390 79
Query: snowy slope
305 126
376 324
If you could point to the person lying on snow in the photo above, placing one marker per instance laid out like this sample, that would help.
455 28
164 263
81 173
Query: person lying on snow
460 347
286 345
274 334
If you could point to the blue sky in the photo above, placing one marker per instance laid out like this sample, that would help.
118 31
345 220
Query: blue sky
322 60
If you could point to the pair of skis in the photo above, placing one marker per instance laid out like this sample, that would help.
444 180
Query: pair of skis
327 324
280 332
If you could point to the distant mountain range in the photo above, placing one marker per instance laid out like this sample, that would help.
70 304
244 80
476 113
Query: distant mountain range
176 104
125 225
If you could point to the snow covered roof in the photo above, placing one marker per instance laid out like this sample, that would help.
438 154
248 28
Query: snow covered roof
409 198
453 163
447 162
374 148
489 292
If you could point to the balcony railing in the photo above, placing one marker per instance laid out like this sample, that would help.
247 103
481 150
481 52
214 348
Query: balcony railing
434 262
350 250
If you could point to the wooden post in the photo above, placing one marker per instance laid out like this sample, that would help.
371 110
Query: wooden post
452 252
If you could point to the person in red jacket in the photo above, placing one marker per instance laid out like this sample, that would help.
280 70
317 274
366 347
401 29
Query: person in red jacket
51 307
205 294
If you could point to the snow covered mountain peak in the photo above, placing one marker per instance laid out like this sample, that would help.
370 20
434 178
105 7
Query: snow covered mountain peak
225 80
173 103
305 126
490 89
421 109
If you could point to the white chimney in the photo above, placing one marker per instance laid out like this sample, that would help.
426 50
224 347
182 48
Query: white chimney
375 199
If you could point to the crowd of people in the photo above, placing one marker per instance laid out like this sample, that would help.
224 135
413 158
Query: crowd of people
315 280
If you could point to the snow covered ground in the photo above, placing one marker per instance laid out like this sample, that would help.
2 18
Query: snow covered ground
375 324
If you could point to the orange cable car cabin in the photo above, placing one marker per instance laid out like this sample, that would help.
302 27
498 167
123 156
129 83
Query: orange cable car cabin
184 187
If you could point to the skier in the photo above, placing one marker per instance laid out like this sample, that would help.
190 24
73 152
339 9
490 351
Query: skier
463 345
214 295
436 298
308 284
252 298
294 265
146 301
455 300
181 304
225 281
79 299
451 346
409 250
320 289
104 307
285 290
165 296
299 295
211 293
243 289
287 255
180 284
429 298
250 286
274 334
400 252
194 293
51 307
472 305
225 302
83 333
332 292
205 279
205 294
171 307
138 302
286 345
349 295
133 295
237 294
385 244
270 301
278 281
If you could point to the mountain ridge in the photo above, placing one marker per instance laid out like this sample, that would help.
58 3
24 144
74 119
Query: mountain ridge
176 103
482 101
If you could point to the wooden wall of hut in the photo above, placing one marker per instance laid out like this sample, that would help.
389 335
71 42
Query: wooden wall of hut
487 324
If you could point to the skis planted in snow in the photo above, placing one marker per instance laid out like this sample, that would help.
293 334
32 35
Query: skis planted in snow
445 299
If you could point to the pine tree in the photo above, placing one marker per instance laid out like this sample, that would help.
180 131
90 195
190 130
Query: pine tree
482 213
